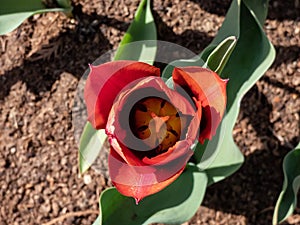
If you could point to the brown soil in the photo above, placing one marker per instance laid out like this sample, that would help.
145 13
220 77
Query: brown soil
40 66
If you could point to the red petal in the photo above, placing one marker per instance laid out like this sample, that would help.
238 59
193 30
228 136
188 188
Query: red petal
208 91
106 81
139 181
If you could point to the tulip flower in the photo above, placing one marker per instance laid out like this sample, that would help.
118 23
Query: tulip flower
150 126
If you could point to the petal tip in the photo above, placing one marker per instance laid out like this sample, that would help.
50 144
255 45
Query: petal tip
91 67
176 69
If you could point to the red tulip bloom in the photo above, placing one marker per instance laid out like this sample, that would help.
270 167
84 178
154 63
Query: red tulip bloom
151 127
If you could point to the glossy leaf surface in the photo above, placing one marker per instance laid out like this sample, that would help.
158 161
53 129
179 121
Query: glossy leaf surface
91 143
243 69
287 200
141 29
14 12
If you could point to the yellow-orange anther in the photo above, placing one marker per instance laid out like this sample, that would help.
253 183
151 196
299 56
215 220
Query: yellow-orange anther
157 122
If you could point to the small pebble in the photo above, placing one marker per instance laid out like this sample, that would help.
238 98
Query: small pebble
13 150
87 179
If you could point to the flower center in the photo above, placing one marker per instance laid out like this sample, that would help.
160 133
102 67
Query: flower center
157 122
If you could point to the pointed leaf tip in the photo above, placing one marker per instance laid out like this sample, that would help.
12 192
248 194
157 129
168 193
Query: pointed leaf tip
287 200
218 58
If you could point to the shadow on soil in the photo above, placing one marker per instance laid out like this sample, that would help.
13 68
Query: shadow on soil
78 47
81 46
254 189
276 12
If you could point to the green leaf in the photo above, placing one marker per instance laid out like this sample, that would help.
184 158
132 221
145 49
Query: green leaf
15 6
287 200
237 61
14 12
220 55
249 60
98 221
91 143
142 28
174 205
139 42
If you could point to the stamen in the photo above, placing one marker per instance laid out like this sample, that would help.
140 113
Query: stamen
174 132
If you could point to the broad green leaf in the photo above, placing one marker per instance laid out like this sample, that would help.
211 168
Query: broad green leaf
91 143
15 6
14 12
218 58
174 205
249 60
98 221
287 200
141 30
244 63
131 47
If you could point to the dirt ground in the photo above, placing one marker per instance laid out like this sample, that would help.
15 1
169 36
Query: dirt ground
41 64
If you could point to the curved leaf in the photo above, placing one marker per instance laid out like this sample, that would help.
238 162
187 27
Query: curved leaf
218 58
14 12
220 157
287 199
98 220
174 205
141 29
243 69
91 143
